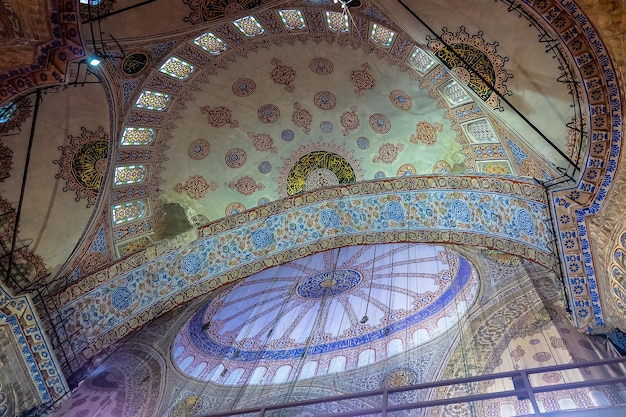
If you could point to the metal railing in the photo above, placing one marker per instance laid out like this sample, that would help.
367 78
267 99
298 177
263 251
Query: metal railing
523 390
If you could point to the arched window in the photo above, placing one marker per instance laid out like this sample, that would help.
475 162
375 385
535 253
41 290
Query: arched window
455 93
217 373
308 370
152 100
567 404
368 356
128 212
282 374
184 364
420 60
337 22
249 26
198 369
234 377
136 136
129 174
599 399
292 19
480 131
394 346
7 111
178 351
337 364
381 35
177 68
210 43
257 375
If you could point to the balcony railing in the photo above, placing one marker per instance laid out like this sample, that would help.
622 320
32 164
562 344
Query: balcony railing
609 373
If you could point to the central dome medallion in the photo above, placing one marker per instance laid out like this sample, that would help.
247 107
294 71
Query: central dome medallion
329 283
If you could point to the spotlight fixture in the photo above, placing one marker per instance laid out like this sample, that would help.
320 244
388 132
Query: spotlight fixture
94 60
348 3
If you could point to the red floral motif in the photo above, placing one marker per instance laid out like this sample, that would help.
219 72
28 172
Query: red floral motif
235 158
246 185
380 123
350 120
400 99
6 160
243 87
321 66
234 208
219 116
388 153
362 80
518 352
551 377
282 74
268 113
199 149
426 133
196 187
325 100
92 261
301 118
531 168
262 142
441 166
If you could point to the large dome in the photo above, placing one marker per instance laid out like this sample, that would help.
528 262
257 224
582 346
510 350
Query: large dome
330 312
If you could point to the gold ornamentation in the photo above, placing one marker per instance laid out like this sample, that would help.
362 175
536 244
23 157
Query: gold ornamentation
187 407
484 67
84 163
319 164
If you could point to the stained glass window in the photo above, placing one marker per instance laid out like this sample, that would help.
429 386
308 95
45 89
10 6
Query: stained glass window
249 26
210 43
128 212
337 22
6 112
152 100
177 68
420 60
382 35
92 2
292 19
455 93
480 131
129 174
137 136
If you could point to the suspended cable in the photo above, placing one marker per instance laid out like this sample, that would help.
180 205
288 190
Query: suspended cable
495 91
365 318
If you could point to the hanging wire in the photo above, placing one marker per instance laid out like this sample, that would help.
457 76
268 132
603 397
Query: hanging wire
260 301
464 343
318 327
345 12
365 318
